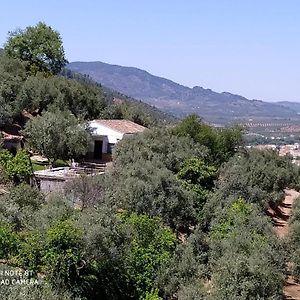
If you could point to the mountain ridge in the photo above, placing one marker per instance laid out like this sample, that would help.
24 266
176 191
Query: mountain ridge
181 100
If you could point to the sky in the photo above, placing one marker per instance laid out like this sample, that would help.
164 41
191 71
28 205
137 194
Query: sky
247 47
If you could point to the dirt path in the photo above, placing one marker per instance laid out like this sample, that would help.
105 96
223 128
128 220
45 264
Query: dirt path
280 219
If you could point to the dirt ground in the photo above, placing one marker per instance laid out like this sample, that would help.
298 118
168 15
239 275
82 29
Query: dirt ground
280 219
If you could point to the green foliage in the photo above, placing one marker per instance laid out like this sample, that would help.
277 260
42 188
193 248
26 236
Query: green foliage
18 206
153 295
12 76
5 158
239 211
33 292
57 135
20 166
294 239
195 172
30 252
144 176
150 249
257 176
16 167
246 260
8 241
150 188
61 260
40 46
24 195
157 145
38 94
222 143
187 265
193 291
199 178
56 208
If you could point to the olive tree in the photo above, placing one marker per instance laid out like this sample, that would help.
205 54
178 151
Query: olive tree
57 135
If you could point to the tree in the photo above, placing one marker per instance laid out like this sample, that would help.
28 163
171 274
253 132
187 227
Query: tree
19 206
158 145
149 251
30 291
147 187
187 266
57 135
62 256
247 261
40 46
12 76
86 191
294 238
199 178
222 143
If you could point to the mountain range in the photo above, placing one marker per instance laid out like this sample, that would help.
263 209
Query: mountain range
180 100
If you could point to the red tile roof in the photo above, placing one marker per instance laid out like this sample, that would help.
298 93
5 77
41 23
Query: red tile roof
122 126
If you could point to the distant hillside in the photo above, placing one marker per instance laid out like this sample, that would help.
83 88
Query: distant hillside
180 100
291 105
153 114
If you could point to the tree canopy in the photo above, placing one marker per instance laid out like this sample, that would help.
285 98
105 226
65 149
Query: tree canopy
40 46
57 135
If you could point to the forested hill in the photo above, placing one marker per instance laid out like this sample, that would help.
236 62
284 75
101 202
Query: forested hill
78 93
117 105
180 100
116 100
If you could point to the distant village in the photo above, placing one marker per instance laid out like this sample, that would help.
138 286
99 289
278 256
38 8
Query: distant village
291 149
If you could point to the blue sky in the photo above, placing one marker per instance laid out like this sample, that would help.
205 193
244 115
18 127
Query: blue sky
248 47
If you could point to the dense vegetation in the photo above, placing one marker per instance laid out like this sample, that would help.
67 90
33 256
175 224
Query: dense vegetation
179 215
164 223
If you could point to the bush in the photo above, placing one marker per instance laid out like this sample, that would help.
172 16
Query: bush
8 241
187 266
149 188
149 251
257 176
18 206
17 168
247 261
62 257
33 292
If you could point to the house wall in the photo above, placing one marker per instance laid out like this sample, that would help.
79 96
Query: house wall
48 185
104 134
100 130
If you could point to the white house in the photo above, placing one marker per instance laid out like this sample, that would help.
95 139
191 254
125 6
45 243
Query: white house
106 133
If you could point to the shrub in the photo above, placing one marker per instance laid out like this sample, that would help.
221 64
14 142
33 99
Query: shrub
8 241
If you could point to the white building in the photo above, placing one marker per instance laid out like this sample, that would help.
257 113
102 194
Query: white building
106 133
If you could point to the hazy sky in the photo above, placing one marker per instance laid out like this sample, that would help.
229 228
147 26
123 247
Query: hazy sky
248 47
